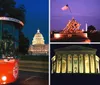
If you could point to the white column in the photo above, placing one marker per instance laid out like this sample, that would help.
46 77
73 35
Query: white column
86 27
86 30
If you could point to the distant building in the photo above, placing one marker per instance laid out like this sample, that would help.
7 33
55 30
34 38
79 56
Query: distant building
75 59
38 46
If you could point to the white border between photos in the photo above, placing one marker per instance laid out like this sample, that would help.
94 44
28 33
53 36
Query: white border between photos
49 45
60 43
74 43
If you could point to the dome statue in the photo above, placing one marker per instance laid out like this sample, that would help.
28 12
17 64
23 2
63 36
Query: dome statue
38 39
38 46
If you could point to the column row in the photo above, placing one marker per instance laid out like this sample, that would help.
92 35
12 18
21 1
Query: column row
75 64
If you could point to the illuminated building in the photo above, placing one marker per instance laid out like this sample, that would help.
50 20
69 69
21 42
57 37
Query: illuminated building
75 59
38 46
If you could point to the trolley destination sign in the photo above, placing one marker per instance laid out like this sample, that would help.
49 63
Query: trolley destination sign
12 19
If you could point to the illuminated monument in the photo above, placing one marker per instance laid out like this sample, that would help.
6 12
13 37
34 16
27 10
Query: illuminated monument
38 46
72 29
75 59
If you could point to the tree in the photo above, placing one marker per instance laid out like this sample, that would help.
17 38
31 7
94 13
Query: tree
23 43
8 8
93 34
91 28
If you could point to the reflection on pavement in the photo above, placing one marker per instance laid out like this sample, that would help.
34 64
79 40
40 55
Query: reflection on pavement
31 78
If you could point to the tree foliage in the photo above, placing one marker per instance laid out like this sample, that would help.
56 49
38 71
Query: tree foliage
23 43
91 28
93 34
8 8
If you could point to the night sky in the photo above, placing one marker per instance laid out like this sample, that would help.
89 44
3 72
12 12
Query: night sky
56 46
84 11
36 17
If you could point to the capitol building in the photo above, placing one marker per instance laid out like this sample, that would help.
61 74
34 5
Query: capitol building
38 46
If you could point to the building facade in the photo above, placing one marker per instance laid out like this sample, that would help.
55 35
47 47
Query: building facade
75 59
38 46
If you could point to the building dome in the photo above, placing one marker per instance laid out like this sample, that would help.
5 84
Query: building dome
38 39
38 46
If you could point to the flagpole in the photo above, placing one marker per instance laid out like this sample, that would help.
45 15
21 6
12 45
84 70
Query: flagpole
69 9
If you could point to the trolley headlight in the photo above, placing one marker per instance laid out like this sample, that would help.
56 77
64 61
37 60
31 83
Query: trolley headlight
4 78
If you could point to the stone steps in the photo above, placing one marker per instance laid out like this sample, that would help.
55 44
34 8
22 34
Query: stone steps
34 66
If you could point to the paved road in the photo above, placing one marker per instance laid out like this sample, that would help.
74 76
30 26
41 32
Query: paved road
31 78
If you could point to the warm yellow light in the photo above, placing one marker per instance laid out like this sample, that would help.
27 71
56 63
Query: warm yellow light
87 41
85 34
3 83
38 39
57 35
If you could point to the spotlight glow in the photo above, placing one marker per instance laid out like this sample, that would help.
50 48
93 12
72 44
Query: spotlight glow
4 78
57 35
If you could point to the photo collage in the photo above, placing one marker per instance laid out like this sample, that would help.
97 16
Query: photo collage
49 42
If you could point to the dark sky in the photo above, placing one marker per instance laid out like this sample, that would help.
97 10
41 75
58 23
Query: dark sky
82 10
36 17
56 46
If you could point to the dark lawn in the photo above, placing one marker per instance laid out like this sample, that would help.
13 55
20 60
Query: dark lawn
34 58
75 79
